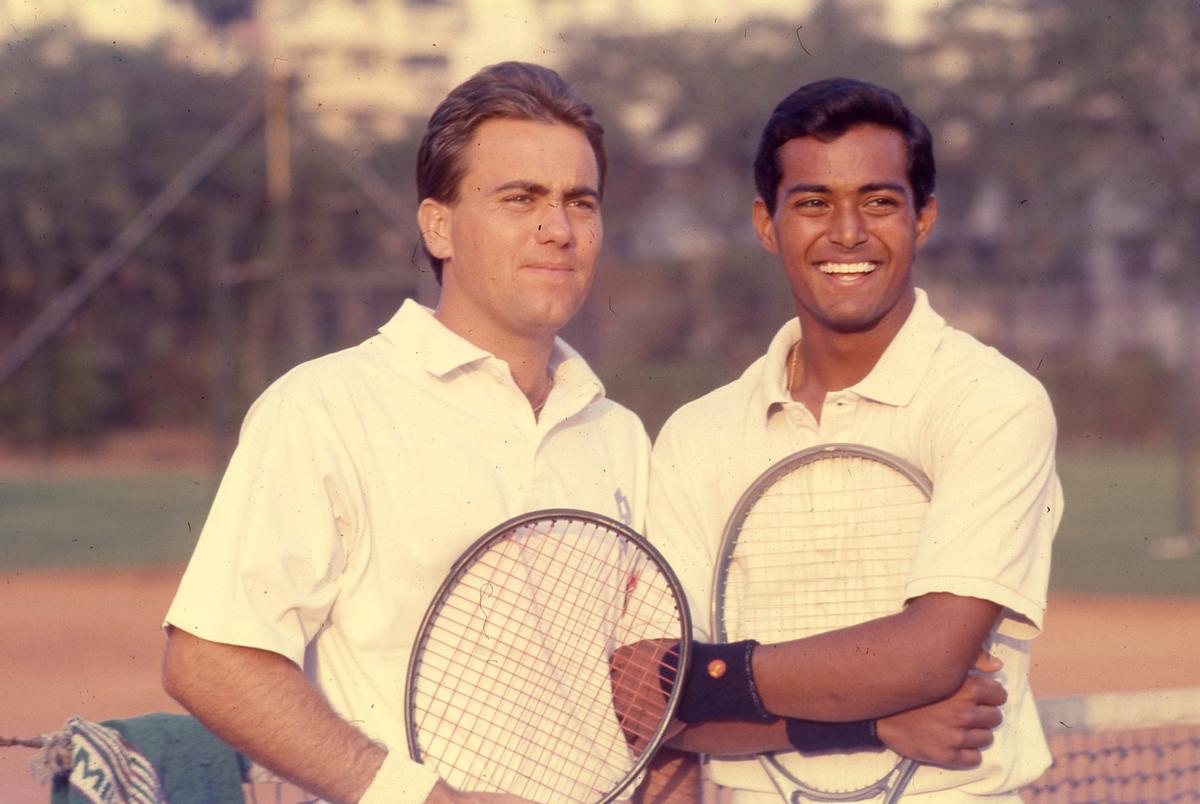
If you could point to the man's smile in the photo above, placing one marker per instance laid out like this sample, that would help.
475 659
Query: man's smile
847 267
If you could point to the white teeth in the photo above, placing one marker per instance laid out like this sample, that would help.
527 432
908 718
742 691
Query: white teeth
847 267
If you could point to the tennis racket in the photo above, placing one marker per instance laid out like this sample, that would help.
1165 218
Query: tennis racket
822 540
538 671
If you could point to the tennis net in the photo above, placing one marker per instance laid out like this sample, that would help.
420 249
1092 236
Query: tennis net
1139 746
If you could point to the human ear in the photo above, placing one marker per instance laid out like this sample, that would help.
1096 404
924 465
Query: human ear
434 219
925 220
764 226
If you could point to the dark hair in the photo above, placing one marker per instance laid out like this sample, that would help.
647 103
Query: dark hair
826 110
513 90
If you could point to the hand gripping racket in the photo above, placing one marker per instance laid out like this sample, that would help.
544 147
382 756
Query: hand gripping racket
538 671
822 540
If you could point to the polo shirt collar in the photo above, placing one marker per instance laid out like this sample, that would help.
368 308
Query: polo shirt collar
441 351
899 372
772 387
893 381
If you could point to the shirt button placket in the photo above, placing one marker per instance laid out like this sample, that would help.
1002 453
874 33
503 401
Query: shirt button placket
836 415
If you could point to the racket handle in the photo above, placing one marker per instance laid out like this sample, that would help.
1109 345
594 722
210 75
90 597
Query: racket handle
907 768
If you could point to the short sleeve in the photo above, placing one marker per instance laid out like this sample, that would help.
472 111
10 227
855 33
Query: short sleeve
267 566
997 503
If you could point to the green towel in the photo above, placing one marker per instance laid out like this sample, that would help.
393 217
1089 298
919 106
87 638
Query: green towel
149 759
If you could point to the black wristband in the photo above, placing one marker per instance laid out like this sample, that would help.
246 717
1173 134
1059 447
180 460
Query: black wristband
817 736
719 684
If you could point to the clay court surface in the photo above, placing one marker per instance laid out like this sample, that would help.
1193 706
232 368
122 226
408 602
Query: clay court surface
88 642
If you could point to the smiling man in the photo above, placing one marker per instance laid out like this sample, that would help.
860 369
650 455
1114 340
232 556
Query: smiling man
845 179
360 477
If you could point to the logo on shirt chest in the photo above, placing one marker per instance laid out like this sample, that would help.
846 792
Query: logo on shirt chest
624 509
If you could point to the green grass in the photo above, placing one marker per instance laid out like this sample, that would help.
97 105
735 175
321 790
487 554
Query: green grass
1117 500
109 521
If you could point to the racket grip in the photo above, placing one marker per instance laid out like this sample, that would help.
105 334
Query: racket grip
719 685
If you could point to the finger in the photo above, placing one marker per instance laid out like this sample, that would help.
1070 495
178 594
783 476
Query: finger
978 738
968 758
987 663
986 717
988 691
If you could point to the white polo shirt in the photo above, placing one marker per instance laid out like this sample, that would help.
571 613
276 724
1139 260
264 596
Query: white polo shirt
976 423
361 476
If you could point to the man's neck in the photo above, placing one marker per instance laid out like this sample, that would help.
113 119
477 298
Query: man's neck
824 362
528 358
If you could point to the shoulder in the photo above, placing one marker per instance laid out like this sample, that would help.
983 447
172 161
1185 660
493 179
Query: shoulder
336 379
599 411
716 416
615 420
972 391
973 369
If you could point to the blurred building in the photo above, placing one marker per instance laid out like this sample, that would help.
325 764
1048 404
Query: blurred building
374 69
369 70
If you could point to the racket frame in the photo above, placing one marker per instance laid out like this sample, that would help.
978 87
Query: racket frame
780 777
499 533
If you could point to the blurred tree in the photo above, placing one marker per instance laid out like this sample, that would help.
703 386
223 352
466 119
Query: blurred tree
90 133
1068 141
1056 108
686 294
683 109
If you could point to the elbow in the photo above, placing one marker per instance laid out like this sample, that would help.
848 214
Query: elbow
170 676
942 683
172 686
174 668
940 677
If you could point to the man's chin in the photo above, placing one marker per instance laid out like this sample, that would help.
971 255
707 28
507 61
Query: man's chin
553 315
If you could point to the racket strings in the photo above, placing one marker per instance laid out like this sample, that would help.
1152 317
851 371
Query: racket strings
532 694
642 685
599 575
515 692
825 544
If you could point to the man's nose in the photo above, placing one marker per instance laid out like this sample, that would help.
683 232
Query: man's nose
846 228
554 225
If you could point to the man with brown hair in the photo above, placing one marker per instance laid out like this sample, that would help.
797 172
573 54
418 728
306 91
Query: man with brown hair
361 476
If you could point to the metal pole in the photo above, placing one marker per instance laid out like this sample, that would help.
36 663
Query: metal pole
60 309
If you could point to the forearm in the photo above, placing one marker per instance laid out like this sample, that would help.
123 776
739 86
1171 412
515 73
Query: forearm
731 738
671 778
891 664
951 732
261 704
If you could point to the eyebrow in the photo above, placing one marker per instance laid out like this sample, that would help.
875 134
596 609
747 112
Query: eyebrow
533 188
871 187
